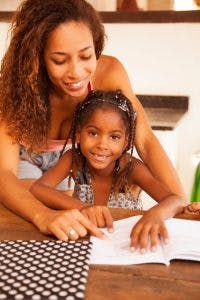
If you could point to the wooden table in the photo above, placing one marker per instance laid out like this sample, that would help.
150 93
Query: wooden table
181 280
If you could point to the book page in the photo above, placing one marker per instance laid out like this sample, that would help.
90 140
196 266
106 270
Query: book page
184 239
116 250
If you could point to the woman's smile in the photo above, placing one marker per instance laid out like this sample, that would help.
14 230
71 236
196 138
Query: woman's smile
76 85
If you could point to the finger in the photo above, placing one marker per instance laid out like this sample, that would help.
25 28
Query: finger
79 228
60 234
144 237
135 233
154 237
68 230
72 234
84 212
91 215
91 227
186 210
100 217
195 206
164 234
108 219
190 208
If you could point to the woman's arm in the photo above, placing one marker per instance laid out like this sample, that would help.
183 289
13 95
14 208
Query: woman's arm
18 199
12 193
192 208
147 145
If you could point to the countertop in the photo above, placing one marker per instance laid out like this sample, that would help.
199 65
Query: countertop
163 111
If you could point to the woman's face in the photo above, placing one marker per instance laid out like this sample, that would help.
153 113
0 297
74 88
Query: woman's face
70 58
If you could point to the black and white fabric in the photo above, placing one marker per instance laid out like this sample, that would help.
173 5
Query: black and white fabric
43 269
83 190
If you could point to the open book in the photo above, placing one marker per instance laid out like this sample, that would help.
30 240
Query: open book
184 243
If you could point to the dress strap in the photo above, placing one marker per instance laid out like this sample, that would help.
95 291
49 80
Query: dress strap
90 87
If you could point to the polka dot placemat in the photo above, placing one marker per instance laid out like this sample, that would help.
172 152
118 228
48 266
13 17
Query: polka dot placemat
43 269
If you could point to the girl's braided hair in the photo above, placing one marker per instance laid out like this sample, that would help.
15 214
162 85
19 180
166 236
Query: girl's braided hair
24 82
118 102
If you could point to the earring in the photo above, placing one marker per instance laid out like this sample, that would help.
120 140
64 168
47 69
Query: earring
78 149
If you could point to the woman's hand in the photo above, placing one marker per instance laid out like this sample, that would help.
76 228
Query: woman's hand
193 208
100 216
66 225
150 226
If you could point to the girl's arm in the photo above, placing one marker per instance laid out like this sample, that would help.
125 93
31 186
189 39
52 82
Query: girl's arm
147 145
44 188
17 198
152 222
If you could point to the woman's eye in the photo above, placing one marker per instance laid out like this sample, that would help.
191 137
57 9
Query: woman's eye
57 62
86 57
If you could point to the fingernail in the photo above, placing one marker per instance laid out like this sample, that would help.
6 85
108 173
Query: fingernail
105 237
132 249
111 230
166 241
153 249
143 250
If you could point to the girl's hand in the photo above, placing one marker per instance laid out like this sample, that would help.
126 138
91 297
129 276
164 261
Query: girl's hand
66 225
193 208
100 216
150 226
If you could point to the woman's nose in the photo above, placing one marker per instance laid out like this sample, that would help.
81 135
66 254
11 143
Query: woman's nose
74 70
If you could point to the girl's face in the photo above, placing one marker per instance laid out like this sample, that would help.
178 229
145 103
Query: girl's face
102 139
70 58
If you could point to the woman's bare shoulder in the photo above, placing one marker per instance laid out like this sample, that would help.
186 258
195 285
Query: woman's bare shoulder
108 60
108 68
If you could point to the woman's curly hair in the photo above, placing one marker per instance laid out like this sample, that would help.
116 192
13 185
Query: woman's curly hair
24 82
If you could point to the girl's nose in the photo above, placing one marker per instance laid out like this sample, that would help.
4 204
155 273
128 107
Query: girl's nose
103 144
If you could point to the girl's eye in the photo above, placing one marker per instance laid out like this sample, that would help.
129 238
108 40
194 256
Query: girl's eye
115 137
92 133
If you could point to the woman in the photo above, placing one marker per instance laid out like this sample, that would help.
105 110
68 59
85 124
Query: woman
53 60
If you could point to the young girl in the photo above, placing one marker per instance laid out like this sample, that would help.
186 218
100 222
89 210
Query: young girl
105 172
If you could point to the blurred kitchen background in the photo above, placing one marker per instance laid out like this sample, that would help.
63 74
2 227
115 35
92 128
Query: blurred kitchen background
161 58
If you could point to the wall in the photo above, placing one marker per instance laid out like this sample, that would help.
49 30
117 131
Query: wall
161 59
164 59
7 5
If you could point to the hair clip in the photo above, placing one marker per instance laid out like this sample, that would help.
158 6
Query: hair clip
123 106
